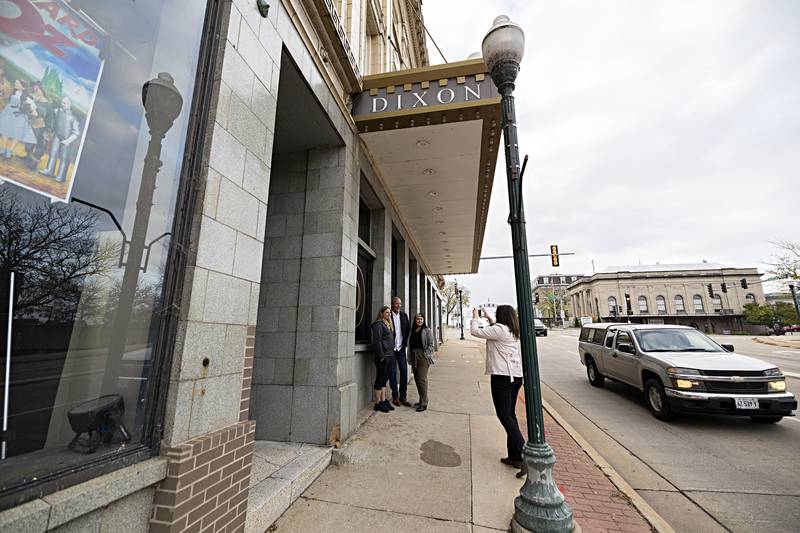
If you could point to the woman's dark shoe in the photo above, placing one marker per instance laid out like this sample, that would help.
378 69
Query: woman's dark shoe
387 405
421 408
396 402
511 462
380 406
405 402
416 404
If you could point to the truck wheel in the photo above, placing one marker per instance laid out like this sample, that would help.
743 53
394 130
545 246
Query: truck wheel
766 419
595 377
657 400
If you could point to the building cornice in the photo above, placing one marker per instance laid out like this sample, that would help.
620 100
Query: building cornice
417 31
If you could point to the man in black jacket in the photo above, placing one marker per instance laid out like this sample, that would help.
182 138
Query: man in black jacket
402 331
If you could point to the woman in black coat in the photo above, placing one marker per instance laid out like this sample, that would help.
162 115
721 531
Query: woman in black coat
383 346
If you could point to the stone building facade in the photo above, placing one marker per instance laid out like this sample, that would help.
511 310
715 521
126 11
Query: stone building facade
669 294
273 204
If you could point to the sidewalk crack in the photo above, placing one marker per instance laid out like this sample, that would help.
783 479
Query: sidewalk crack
363 507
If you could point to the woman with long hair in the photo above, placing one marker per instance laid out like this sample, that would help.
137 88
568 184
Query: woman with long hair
504 365
383 347
422 348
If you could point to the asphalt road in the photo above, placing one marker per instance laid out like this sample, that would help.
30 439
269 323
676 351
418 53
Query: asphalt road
701 473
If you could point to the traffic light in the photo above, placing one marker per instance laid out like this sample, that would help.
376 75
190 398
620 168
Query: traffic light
724 288
628 303
710 290
743 283
536 297
554 255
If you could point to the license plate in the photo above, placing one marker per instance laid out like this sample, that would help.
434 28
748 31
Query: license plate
746 403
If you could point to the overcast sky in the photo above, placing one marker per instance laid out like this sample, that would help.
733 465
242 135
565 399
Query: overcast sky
658 131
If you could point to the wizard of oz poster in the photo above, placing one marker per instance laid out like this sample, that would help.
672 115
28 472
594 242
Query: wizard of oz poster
50 67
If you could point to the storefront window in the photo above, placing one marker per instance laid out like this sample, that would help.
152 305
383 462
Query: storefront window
86 214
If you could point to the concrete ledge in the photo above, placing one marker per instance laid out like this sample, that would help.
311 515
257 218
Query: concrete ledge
653 518
65 505
296 466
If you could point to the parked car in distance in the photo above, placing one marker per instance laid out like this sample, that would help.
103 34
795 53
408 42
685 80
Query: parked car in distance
541 329
681 370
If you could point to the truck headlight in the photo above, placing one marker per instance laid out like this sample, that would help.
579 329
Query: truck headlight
773 373
777 386
690 384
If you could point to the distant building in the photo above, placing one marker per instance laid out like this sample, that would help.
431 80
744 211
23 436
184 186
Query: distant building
550 296
669 294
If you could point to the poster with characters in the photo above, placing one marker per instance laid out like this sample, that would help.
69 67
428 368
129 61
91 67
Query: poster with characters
51 62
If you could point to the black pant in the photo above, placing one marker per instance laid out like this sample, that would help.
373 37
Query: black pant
381 371
400 362
504 396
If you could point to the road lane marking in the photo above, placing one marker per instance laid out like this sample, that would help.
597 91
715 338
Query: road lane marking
790 352
793 419
791 374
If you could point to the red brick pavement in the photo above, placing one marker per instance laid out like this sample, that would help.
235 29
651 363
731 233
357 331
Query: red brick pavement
596 503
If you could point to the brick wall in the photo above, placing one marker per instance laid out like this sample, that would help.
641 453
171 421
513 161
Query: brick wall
207 483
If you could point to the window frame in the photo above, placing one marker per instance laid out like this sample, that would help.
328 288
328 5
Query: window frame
173 283
695 299
643 310
663 301
682 307
750 298
612 311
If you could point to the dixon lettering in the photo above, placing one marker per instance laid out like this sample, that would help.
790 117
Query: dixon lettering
468 91
443 91
419 99
375 104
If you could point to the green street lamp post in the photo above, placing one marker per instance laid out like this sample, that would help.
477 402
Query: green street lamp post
540 506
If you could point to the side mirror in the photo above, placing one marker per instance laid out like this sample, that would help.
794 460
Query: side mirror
728 347
626 348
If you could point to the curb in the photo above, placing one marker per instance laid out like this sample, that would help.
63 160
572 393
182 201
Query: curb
649 514
796 346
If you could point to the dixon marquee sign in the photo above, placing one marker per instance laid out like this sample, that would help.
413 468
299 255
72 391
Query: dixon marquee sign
424 96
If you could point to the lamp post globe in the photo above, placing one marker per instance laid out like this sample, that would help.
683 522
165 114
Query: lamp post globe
503 45
540 506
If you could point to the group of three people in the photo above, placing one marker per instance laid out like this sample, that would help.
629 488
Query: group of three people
392 335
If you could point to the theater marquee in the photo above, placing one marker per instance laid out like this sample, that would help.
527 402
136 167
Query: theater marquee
433 134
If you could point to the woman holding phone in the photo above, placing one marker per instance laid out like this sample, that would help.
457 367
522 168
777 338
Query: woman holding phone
504 365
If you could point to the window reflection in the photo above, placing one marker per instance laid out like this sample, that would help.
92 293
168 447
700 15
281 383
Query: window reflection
88 269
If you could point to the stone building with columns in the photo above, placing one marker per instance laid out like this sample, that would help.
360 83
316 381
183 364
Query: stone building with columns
189 302
669 294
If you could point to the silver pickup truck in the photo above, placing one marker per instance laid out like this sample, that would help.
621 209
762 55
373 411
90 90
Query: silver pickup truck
680 369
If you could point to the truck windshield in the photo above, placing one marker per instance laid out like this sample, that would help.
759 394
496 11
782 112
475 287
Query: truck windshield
675 340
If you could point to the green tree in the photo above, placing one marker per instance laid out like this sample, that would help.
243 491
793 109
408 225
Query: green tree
782 313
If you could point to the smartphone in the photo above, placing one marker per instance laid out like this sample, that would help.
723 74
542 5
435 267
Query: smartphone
480 313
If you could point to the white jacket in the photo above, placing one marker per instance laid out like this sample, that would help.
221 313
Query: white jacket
503 353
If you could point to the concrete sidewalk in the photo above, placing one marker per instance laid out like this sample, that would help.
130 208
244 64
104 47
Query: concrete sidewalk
440 470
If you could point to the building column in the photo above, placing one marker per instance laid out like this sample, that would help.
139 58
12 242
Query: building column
413 286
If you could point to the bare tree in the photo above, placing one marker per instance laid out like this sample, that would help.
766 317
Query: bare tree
786 264
53 248
451 298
